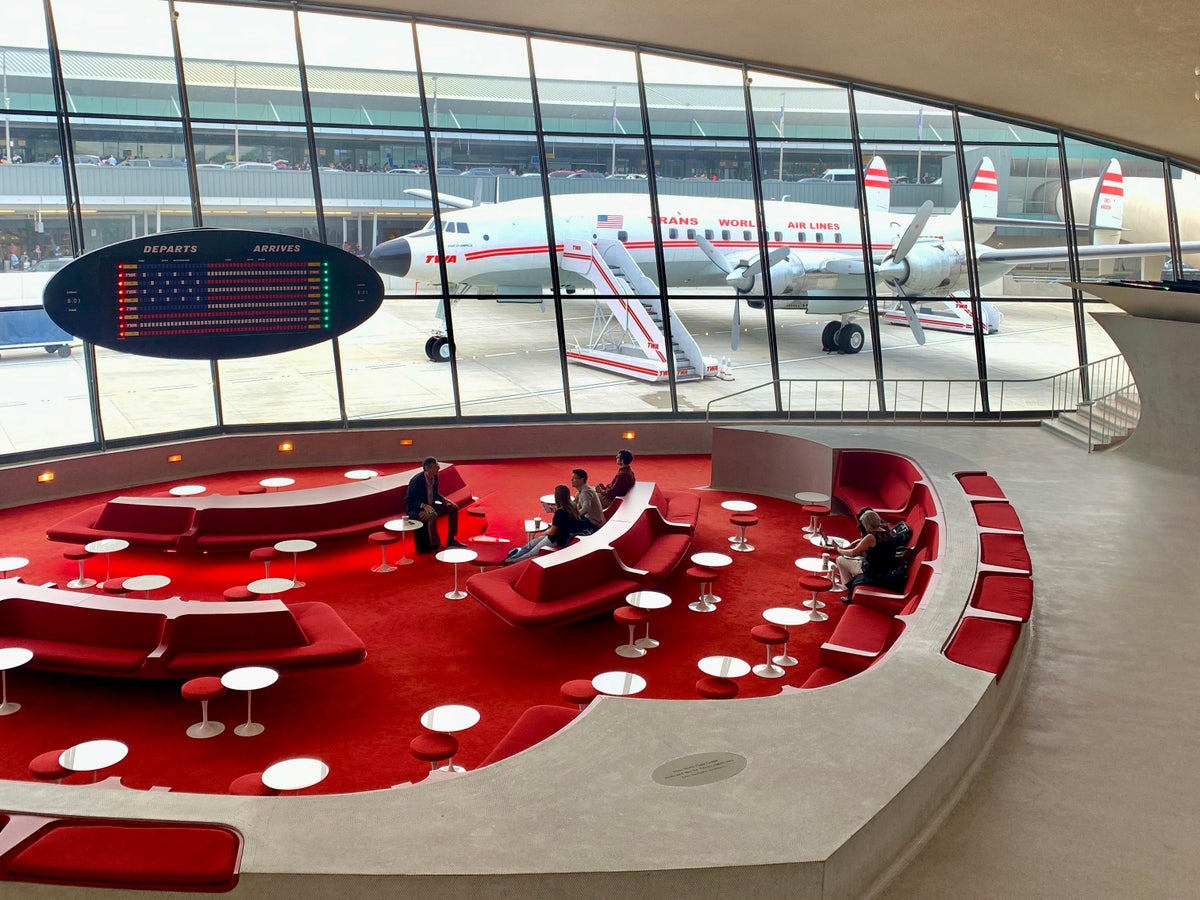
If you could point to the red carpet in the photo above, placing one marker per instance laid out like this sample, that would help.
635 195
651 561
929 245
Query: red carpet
423 650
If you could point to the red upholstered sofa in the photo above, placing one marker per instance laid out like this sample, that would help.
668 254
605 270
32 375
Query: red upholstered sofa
635 549
532 727
242 522
119 854
92 634
875 478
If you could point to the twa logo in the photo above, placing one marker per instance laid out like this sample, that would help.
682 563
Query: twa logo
433 259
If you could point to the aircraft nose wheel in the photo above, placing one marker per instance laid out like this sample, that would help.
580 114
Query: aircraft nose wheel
438 349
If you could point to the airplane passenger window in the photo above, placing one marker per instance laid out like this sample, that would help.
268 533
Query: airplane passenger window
820 237
691 234
622 236
801 237
837 238
779 237
708 233
746 236
724 234
673 233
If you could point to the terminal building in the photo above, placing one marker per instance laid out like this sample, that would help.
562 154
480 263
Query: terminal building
356 124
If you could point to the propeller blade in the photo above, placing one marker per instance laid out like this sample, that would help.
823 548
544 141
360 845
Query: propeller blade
913 322
913 233
776 255
711 252
735 336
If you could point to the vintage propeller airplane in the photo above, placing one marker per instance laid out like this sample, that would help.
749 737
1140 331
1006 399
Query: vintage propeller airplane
816 257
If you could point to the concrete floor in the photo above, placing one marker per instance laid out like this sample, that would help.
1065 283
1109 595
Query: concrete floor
1089 791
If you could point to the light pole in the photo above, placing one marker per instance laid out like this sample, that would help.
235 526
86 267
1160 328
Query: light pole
433 124
782 107
612 169
237 148
7 134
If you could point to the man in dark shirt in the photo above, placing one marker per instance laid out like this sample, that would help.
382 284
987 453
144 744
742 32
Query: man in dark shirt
425 502
622 481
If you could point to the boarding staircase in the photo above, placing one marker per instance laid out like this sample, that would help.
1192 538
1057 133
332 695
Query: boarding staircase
627 328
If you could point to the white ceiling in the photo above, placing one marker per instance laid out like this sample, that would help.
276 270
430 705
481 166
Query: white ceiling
1122 71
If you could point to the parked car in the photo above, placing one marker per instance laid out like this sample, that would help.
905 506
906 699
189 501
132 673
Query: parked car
166 162
53 264
584 173
1190 273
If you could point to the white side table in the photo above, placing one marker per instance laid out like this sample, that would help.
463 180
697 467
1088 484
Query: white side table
787 617
11 564
294 774
447 720
146 583
619 684
535 527
708 560
277 481
92 756
269 587
403 525
647 600
361 474
456 555
723 666
187 490
106 547
739 506
296 546
249 679
10 658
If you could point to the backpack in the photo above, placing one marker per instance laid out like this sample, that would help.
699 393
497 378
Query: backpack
901 534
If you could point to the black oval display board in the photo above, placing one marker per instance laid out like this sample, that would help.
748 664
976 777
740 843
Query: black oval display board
213 293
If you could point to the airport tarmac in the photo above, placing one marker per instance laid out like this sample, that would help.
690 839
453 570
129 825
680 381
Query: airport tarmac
508 364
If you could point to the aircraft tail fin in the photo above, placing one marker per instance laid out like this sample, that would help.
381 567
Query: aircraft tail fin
985 203
1108 211
878 187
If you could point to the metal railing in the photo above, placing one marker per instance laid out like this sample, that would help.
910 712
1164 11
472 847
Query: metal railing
936 399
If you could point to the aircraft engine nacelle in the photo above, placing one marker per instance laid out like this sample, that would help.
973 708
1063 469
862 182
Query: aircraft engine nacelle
932 268
788 276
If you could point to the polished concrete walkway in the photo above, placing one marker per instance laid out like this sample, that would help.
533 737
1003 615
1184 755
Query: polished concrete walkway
1090 790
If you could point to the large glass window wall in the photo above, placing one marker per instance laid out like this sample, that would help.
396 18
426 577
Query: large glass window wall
585 229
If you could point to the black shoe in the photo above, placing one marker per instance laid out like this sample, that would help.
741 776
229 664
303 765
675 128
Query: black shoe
846 599
455 543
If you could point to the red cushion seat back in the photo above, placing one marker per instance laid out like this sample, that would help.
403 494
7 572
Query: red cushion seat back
80 624
271 630
144 518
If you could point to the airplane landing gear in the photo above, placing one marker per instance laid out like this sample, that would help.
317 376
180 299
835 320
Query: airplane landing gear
850 338
846 338
437 348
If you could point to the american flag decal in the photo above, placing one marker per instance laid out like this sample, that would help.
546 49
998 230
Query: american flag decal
610 221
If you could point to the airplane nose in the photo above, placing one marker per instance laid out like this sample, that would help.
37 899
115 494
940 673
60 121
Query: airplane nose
392 257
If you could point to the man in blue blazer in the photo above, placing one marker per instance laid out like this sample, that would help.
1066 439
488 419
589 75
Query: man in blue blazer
425 503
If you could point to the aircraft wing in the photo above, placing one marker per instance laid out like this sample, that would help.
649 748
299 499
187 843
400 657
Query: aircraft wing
443 199
1018 255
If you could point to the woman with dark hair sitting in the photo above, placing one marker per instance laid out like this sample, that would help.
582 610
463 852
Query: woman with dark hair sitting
872 559
564 526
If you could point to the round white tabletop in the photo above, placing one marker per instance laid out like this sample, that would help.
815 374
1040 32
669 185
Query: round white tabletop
277 481
295 774
10 658
146 583
106 545
296 545
403 524
11 564
619 684
712 560
450 718
249 679
534 527
723 666
786 615
812 497
815 564
741 506
92 756
547 499
648 600
187 490
269 587
827 541
361 474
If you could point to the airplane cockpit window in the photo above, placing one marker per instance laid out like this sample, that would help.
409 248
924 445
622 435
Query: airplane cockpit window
449 228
